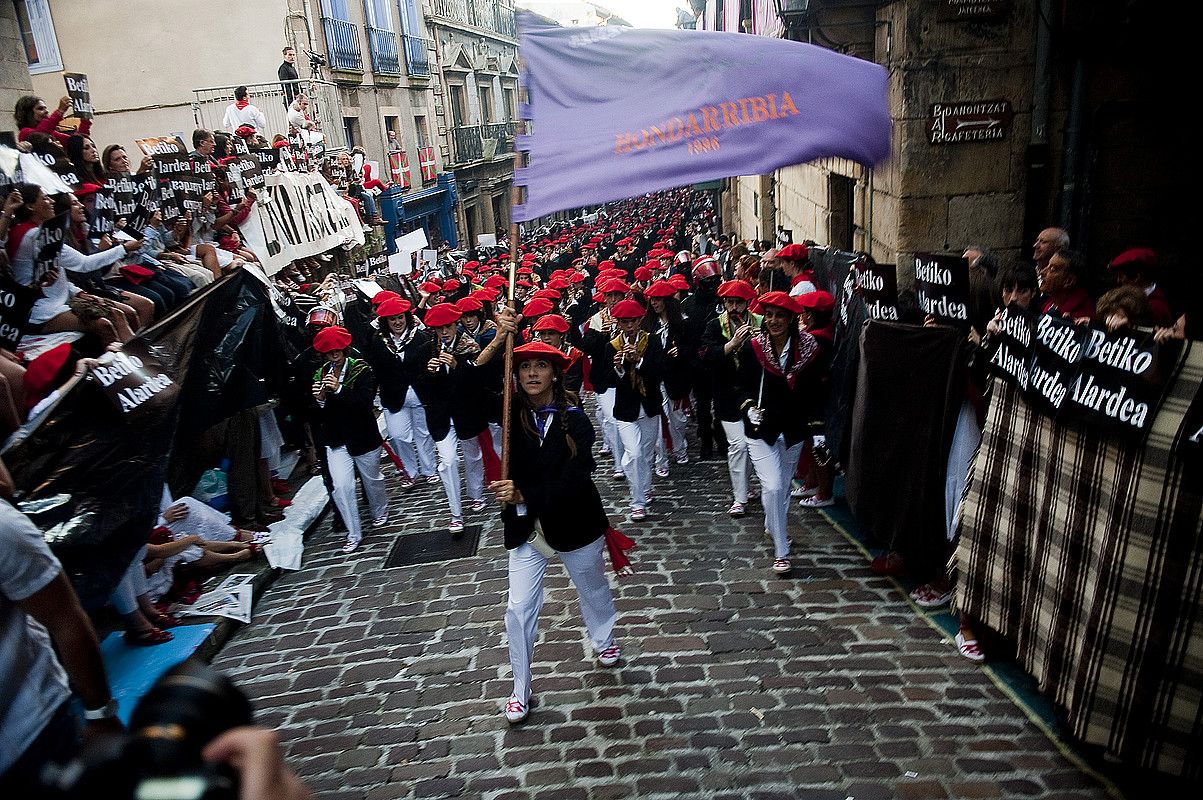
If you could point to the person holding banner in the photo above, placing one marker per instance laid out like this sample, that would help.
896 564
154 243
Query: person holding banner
32 115
551 507
771 378
344 390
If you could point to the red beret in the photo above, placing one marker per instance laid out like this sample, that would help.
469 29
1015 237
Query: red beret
1135 258
470 265
392 306
780 300
535 350
741 289
495 281
557 283
442 314
451 285
383 295
332 338
607 264
552 322
576 277
625 241
659 289
536 307
643 274
244 131
615 285
488 293
817 300
41 376
627 309
469 305
793 252
677 281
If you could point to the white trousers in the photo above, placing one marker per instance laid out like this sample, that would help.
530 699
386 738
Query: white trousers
411 438
638 450
270 439
737 460
587 568
495 434
775 464
343 467
676 430
133 583
965 440
609 425
474 469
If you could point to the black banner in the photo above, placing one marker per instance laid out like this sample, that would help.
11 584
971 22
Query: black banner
134 380
81 96
146 202
1120 381
1011 348
202 169
48 241
16 301
123 195
942 287
268 157
172 207
878 284
376 262
104 211
245 173
1056 352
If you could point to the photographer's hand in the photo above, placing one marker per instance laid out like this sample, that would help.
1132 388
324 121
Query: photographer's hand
255 754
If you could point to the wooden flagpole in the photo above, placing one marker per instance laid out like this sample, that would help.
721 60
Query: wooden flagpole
507 394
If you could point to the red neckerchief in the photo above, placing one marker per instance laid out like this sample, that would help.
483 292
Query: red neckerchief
242 104
804 350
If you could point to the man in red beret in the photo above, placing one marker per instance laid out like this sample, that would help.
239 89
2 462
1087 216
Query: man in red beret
1138 267
344 390
599 330
636 360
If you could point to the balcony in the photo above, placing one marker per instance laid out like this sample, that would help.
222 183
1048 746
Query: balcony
482 142
342 45
490 15
383 46
417 56
325 107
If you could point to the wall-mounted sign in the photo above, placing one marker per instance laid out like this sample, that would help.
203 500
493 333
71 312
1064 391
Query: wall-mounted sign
972 10
970 121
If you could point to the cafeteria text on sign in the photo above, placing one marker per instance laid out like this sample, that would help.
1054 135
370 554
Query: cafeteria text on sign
971 121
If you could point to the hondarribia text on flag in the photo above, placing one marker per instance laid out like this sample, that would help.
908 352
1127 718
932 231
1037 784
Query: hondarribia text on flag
617 112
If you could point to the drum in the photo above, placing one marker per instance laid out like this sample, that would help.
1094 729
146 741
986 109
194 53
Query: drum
322 317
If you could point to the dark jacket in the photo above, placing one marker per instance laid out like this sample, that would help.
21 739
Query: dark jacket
785 407
720 368
459 395
650 370
348 419
397 370
556 486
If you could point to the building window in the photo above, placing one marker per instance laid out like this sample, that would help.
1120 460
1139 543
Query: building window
511 104
351 126
459 110
37 36
423 134
486 105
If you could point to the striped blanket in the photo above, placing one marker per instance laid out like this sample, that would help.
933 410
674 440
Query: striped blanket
1087 552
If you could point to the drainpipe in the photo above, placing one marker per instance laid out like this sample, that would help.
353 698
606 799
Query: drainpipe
1036 199
1070 180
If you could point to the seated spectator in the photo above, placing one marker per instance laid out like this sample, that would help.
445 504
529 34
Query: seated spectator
117 162
299 121
63 307
154 252
85 158
1138 267
32 115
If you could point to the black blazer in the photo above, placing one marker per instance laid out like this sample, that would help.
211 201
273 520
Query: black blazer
457 395
628 401
348 419
398 371
556 486
785 409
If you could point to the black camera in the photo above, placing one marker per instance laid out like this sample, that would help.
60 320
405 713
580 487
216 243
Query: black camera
315 59
160 755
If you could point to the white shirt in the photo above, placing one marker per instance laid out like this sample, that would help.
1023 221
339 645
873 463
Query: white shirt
55 296
35 684
250 115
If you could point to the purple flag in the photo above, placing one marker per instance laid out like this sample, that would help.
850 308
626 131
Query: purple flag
618 112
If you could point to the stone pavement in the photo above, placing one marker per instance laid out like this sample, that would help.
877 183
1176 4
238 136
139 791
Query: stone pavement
388 683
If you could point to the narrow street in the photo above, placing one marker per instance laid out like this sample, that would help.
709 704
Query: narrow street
388 683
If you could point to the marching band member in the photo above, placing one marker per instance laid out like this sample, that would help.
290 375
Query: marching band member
664 321
636 361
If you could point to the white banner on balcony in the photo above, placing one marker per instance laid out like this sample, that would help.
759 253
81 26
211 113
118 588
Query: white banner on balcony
298 215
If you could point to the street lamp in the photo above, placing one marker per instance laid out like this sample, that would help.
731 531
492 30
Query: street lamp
795 14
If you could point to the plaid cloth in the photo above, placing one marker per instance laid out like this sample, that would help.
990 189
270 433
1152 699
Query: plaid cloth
1087 552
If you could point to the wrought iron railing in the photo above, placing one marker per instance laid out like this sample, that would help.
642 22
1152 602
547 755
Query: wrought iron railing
480 142
325 108
468 145
383 44
488 14
416 55
342 44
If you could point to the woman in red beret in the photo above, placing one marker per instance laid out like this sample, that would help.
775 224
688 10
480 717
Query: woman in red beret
665 322
818 319
552 329
773 381
551 507
344 390
635 359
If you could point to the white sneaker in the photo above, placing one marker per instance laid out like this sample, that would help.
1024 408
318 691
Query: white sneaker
351 546
815 502
515 710
662 472
737 510
380 521
638 514
618 475
683 458
478 504
610 656
456 525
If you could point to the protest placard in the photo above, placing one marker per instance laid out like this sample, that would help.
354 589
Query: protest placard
77 90
47 243
878 284
1010 350
161 145
133 379
16 301
1056 353
1120 380
942 287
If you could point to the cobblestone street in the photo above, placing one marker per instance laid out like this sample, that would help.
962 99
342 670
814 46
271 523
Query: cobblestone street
388 683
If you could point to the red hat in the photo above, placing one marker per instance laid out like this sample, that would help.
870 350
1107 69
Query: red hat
598 297
525 271
1141 258
558 283
627 309
659 289
393 306
280 144
431 286
818 301
576 277
607 264
780 300
524 284
495 282
643 274
704 267
442 314
625 241
451 285
588 246
41 375
793 252
534 350
469 305
536 307
741 289
467 265
332 338
382 295
552 322
488 293
615 285
547 294
678 282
